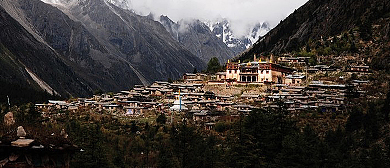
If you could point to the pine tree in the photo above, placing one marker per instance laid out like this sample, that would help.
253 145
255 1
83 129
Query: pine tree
213 65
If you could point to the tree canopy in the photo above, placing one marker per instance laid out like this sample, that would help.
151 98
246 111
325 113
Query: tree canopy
213 65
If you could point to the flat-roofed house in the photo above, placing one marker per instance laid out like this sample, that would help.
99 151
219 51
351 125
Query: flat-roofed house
221 76
294 79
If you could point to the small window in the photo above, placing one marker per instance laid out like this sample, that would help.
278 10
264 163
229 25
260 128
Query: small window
267 72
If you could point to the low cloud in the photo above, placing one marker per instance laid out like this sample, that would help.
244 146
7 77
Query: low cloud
242 14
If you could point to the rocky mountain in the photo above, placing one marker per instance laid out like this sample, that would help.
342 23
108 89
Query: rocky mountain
98 44
27 62
145 43
222 29
320 19
192 34
212 38
212 42
198 38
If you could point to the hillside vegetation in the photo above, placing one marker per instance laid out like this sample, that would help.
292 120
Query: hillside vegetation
319 19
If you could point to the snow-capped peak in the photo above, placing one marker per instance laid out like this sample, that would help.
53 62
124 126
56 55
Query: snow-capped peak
222 29
125 4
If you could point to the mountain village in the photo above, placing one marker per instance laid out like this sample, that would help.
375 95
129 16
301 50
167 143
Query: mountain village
205 99
222 84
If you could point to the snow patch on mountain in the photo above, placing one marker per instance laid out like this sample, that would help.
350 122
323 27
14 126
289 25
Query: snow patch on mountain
62 3
69 3
124 4
222 29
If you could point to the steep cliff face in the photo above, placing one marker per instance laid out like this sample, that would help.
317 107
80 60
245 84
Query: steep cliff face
28 62
74 45
96 44
140 41
316 19
197 37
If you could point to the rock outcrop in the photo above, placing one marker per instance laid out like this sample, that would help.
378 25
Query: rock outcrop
21 132
9 119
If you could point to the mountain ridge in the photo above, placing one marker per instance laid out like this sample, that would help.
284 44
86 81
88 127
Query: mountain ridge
22 55
314 20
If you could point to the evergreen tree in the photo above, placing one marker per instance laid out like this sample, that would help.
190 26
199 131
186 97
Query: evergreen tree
365 30
300 150
259 138
213 65
353 48
161 119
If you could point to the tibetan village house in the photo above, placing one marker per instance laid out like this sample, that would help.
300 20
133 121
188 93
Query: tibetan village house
257 72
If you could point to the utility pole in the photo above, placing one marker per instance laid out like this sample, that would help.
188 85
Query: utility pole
179 101
306 76
8 101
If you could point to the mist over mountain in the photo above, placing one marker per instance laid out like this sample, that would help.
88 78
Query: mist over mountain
212 38
197 38
242 15
238 30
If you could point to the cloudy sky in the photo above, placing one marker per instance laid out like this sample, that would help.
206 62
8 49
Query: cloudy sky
241 13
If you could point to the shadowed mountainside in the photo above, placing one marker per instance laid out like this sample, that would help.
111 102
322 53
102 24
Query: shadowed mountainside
98 46
316 19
